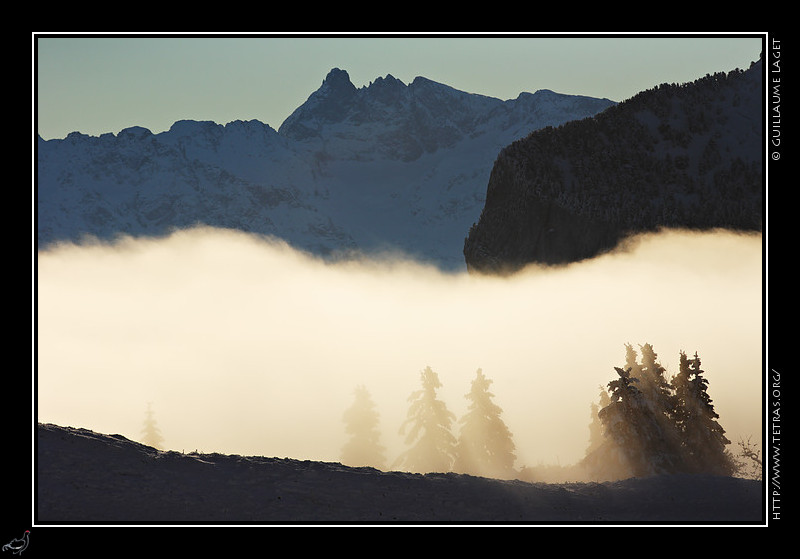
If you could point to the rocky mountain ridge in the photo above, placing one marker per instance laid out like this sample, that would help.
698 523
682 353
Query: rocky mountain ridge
675 156
385 167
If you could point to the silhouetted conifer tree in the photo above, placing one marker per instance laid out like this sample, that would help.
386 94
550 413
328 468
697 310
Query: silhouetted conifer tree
638 440
361 423
631 362
652 380
596 426
151 434
703 437
651 426
485 444
626 421
429 422
660 396
606 458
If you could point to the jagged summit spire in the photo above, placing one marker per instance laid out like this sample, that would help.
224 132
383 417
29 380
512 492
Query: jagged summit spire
388 80
337 80
336 90
327 104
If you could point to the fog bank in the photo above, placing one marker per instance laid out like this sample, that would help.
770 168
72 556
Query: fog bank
245 346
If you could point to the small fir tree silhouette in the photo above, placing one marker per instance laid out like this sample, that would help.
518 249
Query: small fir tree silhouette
361 424
429 423
596 426
485 444
151 434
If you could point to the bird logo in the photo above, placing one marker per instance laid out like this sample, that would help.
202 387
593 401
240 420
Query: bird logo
18 545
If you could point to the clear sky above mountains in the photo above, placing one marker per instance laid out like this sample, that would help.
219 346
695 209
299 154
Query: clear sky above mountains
100 84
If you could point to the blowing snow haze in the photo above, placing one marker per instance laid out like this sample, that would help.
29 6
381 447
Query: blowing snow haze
246 346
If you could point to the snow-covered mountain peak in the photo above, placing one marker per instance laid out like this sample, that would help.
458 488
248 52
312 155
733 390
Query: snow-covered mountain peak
386 102
383 166
194 127
134 134
329 104
386 91
388 81
336 91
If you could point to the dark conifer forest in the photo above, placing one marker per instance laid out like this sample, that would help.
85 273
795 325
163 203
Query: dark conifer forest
673 156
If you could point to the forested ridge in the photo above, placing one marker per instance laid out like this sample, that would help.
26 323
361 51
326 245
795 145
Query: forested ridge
673 156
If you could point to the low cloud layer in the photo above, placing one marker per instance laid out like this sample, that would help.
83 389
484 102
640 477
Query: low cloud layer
244 346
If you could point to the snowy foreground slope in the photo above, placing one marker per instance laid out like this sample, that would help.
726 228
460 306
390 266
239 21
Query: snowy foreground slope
83 476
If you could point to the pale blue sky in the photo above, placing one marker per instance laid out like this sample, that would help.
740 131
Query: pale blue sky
104 84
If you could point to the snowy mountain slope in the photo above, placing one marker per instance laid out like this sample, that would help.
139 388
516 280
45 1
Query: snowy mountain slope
387 166
83 476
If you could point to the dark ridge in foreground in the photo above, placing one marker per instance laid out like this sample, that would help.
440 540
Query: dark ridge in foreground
86 477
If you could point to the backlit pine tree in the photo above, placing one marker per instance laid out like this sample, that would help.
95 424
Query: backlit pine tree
151 434
623 422
703 437
428 429
485 445
636 443
652 379
361 424
596 426
650 426
660 396
632 362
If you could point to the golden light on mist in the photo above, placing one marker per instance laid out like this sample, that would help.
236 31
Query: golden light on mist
244 346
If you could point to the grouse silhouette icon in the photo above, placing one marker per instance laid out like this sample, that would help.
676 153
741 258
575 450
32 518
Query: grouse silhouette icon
18 545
